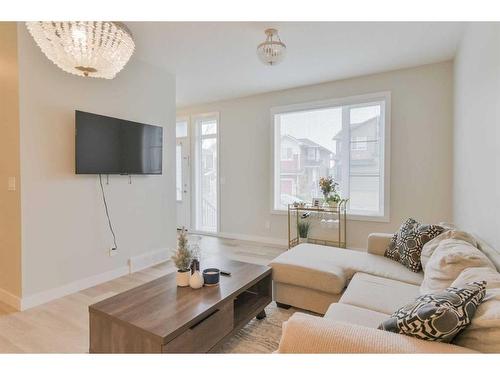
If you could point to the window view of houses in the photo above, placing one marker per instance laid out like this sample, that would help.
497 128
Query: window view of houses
303 162
316 144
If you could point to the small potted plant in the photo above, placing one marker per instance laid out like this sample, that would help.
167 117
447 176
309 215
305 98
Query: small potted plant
182 259
329 187
303 229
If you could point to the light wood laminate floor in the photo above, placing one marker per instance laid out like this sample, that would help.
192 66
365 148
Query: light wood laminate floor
61 326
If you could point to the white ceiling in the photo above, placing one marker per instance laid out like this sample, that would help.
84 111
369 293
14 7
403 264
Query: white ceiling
217 60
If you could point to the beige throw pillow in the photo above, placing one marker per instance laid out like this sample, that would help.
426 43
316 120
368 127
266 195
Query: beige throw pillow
483 334
429 248
448 260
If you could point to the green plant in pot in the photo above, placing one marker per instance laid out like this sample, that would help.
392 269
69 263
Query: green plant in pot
182 259
303 229
329 187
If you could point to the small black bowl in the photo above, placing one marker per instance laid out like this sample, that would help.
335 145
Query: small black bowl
211 276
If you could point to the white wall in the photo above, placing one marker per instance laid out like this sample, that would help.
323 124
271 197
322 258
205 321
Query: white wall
421 150
476 202
65 236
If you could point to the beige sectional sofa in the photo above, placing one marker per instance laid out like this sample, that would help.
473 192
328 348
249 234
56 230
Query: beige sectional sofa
355 291
312 277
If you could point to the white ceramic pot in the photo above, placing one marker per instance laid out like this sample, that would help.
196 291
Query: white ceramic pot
196 280
182 277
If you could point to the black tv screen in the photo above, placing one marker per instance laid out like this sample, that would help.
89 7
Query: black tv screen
107 145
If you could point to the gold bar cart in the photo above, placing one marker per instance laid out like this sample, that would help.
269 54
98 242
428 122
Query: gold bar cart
338 212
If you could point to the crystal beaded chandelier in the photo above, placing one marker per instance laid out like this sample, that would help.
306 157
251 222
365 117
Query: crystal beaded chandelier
272 51
85 48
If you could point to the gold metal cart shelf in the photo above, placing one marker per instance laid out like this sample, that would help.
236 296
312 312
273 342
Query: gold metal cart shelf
338 212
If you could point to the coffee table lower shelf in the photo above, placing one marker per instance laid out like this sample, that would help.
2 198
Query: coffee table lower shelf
243 313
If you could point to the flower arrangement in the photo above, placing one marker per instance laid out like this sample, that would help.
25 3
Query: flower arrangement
183 256
329 187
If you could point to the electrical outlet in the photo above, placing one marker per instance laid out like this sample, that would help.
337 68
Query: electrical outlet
113 251
11 184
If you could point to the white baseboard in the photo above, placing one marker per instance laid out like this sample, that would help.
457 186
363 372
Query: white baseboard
135 264
264 240
10 299
245 237
73 287
149 259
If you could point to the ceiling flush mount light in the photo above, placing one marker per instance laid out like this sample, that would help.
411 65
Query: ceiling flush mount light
85 48
272 51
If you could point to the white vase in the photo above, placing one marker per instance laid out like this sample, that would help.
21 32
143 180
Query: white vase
182 277
196 280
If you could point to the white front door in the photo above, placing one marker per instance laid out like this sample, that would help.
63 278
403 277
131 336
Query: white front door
206 173
182 185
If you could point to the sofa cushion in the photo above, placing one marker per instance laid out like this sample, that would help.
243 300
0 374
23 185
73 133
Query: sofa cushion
378 293
355 315
406 244
483 334
429 248
304 333
448 260
440 316
328 268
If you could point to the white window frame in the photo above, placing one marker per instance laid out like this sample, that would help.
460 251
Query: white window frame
360 100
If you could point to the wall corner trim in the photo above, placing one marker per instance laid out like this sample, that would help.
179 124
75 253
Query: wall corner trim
149 259
10 299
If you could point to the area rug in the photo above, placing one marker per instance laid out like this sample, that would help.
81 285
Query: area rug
259 336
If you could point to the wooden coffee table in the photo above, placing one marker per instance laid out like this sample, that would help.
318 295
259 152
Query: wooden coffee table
159 317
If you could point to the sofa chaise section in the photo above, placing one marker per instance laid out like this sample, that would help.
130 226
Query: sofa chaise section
312 277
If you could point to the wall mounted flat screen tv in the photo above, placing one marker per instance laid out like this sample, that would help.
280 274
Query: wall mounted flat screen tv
107 145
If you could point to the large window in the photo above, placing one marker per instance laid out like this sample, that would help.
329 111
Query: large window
346 139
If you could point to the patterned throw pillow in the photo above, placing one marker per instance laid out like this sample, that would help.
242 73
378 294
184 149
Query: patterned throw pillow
406 245
440 316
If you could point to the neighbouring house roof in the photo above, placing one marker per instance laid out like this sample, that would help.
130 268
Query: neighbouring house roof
358 125
306 142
